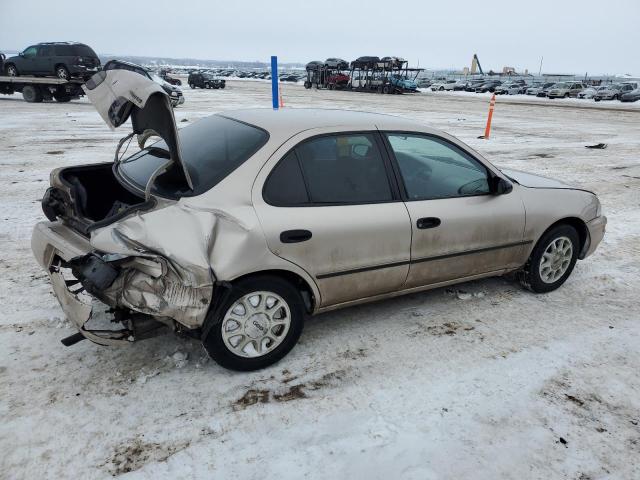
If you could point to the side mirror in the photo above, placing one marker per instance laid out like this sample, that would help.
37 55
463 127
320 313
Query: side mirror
500 186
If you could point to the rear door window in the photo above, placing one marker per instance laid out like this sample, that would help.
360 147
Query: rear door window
285 185
344 169
45 51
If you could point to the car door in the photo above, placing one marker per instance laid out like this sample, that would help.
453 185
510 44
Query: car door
28 62
42 62
459 228
327 202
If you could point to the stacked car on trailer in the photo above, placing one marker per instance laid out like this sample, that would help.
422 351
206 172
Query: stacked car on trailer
365 74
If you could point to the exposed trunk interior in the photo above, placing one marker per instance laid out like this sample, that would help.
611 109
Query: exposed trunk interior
97 195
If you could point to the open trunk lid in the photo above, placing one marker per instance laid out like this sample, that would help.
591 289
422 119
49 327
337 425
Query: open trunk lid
120 94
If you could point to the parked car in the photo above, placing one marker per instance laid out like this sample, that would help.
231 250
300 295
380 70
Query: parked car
510 89
590 92
164 74
205 80
443 85
632 96
174 92
614 91
262 218
565 90
541 90
475 83
61 59
489 86
460 85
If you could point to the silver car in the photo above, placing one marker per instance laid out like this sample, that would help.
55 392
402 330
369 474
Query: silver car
565 90
590 92
510 89
236 228
614 91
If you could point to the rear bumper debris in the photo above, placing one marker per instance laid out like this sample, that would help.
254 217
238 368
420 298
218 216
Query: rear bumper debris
139 290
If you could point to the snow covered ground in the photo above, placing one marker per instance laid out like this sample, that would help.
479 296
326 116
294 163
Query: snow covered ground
482 381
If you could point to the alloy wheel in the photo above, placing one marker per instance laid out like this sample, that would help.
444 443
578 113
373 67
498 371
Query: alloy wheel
556 259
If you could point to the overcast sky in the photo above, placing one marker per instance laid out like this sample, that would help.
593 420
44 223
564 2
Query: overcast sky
598 37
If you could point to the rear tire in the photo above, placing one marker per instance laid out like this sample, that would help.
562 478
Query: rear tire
62 72
31 94
254 323
552 260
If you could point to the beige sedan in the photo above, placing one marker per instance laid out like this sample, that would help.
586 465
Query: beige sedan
239 226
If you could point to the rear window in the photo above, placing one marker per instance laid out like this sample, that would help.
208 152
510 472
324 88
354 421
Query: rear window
211 149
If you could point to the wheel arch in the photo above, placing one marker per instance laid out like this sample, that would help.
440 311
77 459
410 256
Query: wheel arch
308 293
61 64
581 228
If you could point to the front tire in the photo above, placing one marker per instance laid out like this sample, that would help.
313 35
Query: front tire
552 260
12 71
258 324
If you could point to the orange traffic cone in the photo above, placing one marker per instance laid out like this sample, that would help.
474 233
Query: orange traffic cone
487 130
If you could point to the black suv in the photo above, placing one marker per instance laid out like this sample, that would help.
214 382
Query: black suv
175 94
204 80
62 59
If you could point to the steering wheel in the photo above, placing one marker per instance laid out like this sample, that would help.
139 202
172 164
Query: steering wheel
421 175
475 186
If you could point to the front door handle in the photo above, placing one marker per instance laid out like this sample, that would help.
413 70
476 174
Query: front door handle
295 236
427 222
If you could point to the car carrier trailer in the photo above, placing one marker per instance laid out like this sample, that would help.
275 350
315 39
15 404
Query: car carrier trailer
37 89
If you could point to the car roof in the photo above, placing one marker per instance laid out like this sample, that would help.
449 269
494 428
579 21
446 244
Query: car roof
296 120
62 43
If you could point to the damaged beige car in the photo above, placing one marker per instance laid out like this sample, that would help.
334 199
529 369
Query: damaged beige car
237 227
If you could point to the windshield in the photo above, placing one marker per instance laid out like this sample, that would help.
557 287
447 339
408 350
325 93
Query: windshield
561 85
211 149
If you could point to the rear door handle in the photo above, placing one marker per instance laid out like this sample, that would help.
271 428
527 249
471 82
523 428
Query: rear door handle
295 236
428 222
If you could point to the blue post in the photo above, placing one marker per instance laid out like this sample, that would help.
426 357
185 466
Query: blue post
274 82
